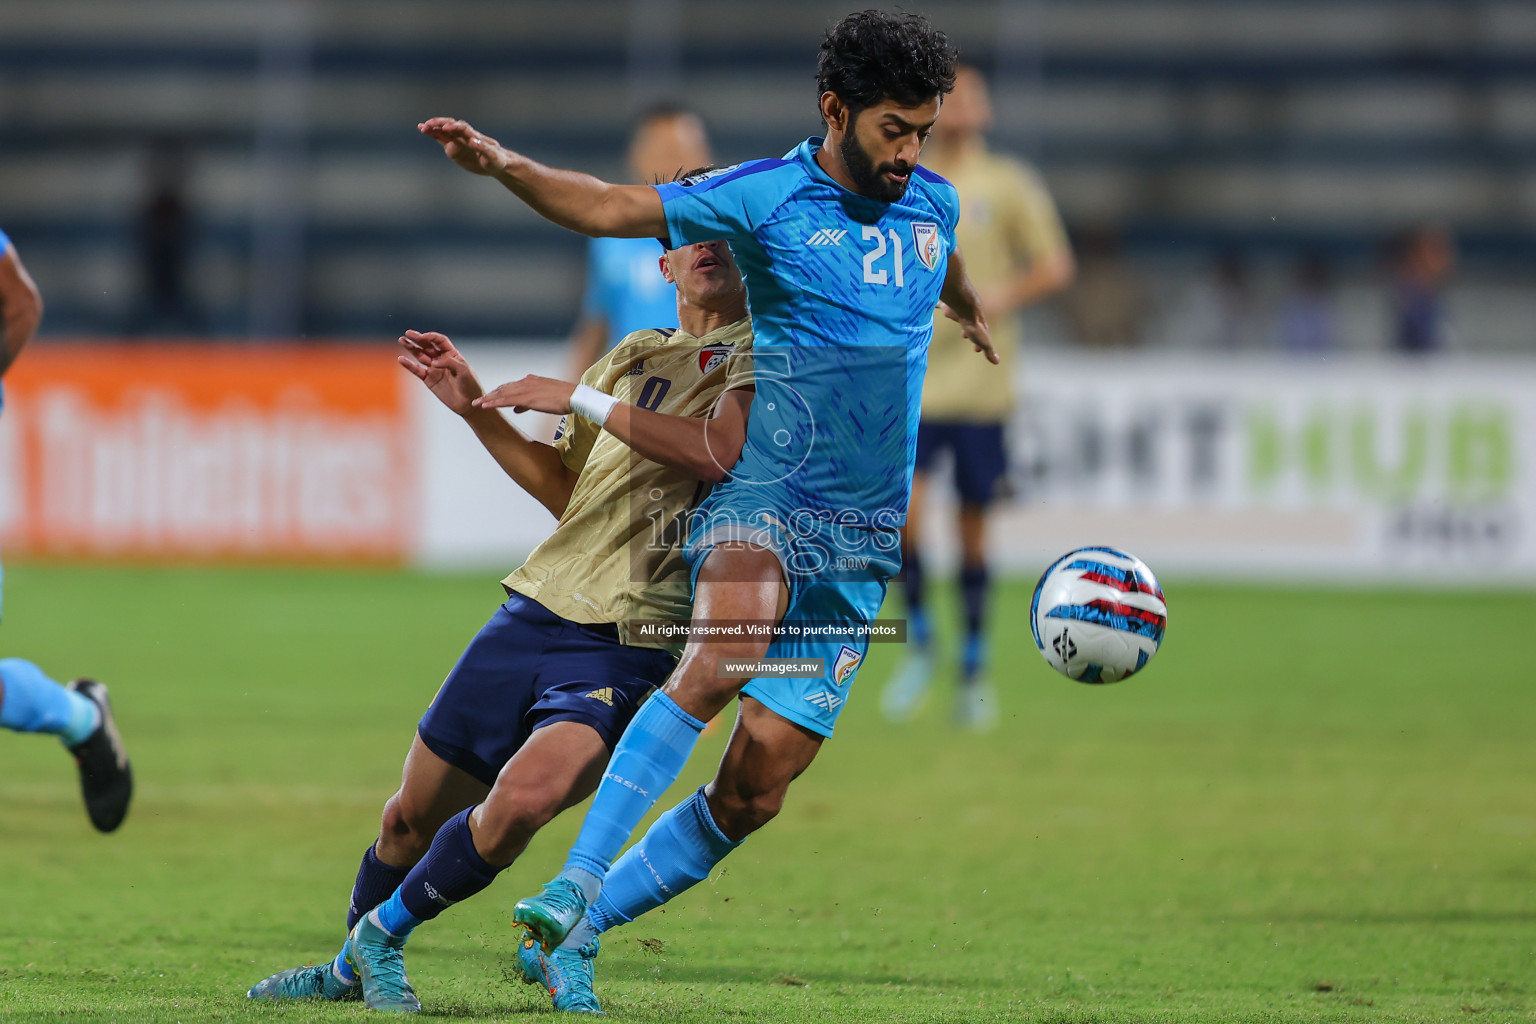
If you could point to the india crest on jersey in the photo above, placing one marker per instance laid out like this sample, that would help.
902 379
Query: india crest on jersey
925 242
847 662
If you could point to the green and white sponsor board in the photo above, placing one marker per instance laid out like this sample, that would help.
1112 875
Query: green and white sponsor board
1319 468
1240 467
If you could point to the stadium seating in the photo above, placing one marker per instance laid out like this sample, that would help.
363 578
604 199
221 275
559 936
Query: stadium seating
1191 125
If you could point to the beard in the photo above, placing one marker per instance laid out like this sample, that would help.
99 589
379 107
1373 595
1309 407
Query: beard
869 178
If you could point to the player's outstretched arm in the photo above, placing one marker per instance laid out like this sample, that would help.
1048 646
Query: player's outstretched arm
535 466
21 308
961 304
571 199
705 449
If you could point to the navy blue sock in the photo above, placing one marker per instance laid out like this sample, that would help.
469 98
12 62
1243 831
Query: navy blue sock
975 586
913 584
452 870
375 881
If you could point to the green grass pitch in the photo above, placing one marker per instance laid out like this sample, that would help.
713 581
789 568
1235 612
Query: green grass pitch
1312 806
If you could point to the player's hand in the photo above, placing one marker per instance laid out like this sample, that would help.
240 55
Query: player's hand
541 394
976 332
472 150
442 368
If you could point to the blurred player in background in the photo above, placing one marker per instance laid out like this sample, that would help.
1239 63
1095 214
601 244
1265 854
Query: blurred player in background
623 291
79 714
1017 254
846 245
524 723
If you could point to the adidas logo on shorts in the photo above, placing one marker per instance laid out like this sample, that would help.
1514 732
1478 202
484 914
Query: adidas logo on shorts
605 694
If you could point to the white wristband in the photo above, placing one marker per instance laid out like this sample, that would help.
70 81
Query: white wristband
592 403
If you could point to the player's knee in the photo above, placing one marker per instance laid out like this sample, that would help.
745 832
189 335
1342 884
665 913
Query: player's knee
706 677
507 820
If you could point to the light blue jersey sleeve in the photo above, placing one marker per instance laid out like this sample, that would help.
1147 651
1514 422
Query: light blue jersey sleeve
727 203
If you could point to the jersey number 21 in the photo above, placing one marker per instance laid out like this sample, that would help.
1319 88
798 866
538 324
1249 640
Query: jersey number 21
875 255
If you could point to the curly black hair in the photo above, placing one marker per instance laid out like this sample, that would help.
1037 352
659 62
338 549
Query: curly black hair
874 55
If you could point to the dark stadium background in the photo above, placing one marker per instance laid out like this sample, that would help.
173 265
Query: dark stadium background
1189 131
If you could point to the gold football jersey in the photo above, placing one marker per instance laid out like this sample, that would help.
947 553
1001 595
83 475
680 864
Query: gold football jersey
616 553
1007 222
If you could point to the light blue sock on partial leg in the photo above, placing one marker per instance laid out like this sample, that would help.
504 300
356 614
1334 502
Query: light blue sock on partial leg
31 702
393 917
675 854
649 757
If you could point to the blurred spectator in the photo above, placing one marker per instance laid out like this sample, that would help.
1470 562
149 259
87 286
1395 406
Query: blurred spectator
1423 265
1308 319
1110 302
1222 313
164 240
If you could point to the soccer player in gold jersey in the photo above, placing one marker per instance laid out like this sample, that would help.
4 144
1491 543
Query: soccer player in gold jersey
1018 254
523 725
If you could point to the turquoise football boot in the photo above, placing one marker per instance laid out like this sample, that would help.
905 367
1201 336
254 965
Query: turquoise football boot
316 982
552 914
976 706
380 964
566 974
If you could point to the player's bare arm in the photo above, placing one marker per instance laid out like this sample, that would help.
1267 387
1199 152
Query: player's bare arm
570 199
21 308
962 305
535 466
705 449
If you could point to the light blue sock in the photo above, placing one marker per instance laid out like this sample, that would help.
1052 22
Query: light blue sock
343 970
648 759
392 916
918 630
974 658
34 703
678 852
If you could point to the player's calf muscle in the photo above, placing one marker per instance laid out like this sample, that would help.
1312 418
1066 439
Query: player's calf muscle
406 831
503 825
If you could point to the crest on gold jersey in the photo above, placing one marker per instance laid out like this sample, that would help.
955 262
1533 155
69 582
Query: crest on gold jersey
925 242
712 356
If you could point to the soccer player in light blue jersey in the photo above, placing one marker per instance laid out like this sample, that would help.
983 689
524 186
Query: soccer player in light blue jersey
623 292
80 713
847 246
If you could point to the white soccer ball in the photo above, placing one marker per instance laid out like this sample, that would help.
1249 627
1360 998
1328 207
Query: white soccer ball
1098 615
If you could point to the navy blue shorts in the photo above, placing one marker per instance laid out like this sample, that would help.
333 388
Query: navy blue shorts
526 669
980 454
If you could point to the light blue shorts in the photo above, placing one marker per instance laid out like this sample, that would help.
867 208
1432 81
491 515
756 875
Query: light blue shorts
837 580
